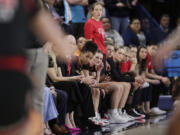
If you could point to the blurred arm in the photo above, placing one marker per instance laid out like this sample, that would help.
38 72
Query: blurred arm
47 29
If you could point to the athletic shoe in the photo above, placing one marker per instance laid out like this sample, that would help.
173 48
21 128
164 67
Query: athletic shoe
134 115
128 117
141 115
99 121
115 118
157 111
140 111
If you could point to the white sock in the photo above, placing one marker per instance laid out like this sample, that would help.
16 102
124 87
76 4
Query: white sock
120 110
97 114
113 111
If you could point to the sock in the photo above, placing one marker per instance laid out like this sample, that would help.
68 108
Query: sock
97 114
113 111
120 110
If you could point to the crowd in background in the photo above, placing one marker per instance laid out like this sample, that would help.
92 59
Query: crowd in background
110 78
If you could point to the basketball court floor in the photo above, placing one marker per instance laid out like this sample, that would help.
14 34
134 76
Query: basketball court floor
154 126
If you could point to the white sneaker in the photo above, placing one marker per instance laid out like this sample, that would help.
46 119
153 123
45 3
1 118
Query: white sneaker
157 111
104 121
99 121
117 119
128 117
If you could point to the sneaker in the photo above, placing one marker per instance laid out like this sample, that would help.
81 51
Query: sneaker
134 115
128 117
141 115
157 111
103 120
140 111
117 119
140 121
99 121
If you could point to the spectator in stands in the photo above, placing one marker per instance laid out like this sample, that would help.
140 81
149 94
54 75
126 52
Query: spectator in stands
164 23
153 31
119 93
94 28
110 50
119 12
96 66
65 83
77 16
126 64
141 69
115 73
109 41
60 99
75 68
134 35
133 50
99 1
112 33
80 44
150 73
133 57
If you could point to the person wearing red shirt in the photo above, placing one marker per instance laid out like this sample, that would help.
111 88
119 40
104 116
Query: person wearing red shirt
152 50
126 64
149 62
94 29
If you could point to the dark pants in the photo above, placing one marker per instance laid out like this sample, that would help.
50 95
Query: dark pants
61 104
87 106
79 97
147 94
157 90
137 99
73 92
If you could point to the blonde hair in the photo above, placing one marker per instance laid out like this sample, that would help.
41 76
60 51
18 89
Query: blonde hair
126 49
93 6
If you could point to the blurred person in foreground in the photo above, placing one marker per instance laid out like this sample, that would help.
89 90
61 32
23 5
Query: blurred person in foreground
17 18
169 45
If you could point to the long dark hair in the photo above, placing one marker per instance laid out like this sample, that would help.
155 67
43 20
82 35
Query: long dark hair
142 63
